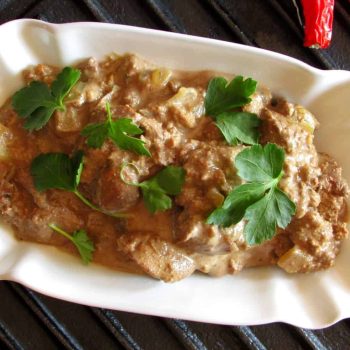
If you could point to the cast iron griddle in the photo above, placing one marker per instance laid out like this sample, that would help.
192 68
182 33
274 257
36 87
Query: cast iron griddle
29 320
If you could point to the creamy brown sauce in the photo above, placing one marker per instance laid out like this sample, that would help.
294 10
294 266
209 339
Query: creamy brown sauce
169 107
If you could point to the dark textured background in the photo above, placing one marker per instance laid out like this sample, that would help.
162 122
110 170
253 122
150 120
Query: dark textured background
29 320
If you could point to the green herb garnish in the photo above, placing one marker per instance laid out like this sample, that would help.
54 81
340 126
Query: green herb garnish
223 95
239 127
156 190
221 98
81 240
37 102
57 170
260 201
120 131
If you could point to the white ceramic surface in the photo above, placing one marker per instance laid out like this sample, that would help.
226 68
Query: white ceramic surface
255 296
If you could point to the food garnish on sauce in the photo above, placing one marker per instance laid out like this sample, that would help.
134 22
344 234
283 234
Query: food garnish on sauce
164 172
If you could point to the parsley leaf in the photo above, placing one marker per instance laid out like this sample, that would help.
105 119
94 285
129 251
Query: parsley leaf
274 209
96 134
239 127
39 118
81 241
222 96
57 170
64 83
120 131
155 198
260 163
28 99
238 200
156 190
36 102
260 202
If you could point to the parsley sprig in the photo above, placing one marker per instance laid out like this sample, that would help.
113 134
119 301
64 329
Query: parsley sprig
259 201
37 102
120 131
59 171
222 98
156 190
81 241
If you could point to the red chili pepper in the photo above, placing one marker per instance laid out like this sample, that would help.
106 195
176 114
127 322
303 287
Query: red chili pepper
318 16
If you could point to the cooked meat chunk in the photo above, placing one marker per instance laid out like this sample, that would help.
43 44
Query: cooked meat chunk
192 232
112 193
259 101
163 143
31 219
156 257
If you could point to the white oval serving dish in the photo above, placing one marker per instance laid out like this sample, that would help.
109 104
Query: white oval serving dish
255 296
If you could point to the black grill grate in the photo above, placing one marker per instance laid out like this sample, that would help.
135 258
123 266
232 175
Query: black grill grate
29 320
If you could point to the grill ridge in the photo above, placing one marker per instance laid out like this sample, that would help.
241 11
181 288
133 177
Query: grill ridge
7 338
99 11
343 13
184 334
112 323
165 16
221 12
312 339
17 11
46 317
248 337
